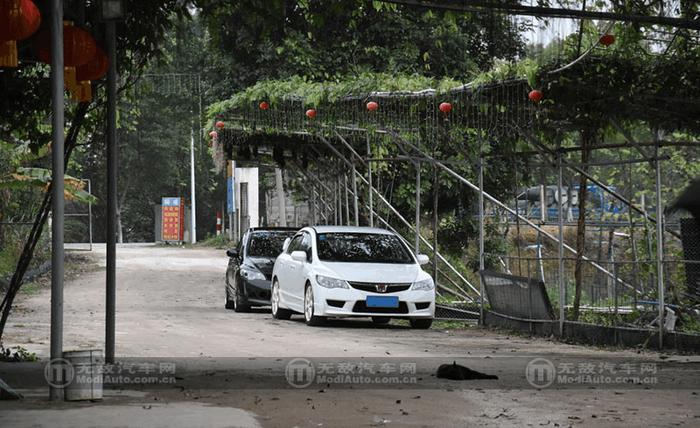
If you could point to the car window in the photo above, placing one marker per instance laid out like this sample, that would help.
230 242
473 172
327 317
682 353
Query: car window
296 241
305 245
266 243
362 248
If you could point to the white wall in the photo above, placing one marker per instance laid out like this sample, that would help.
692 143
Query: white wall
250 176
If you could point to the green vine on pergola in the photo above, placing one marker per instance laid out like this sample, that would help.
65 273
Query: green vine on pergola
662 91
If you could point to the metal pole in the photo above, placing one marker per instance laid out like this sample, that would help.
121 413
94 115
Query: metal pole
193 208
435 225
560 252
57 183
481 235
659 248
369 180
417 243
110 304
90 212
336 213
354 195
347 200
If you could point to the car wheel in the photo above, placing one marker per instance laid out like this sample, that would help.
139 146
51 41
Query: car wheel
228 303
277 312
421 323
381 320
309 316
239 304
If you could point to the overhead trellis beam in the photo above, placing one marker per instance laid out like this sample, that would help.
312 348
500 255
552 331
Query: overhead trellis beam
549 12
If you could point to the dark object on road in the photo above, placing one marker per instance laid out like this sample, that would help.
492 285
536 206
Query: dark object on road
456 372
689 200
250 267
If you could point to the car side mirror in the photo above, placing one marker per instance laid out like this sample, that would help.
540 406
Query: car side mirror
232 253
299 256
422 259
285 244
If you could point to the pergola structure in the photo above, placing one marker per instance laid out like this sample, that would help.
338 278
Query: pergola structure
459 133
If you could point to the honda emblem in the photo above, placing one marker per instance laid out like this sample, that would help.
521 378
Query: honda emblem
381 288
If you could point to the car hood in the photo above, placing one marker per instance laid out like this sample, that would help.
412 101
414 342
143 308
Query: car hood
373 272
263 264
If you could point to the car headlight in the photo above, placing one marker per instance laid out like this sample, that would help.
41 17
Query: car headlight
251 274
328 282
426 284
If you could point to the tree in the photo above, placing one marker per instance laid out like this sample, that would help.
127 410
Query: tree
25 105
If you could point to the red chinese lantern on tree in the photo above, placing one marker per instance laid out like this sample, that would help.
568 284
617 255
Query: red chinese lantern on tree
607 39
20 19
264 105
372 106
94 69
79 46
311 113
535 95
445 108
220 125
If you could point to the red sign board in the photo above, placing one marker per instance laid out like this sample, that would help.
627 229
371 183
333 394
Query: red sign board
173 225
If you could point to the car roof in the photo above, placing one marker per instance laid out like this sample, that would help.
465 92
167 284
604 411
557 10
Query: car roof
273 229
350 229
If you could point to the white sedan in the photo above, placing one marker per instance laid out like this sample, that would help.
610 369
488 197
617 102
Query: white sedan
342 271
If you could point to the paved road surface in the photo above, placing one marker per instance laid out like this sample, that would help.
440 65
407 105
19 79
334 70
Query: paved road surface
170 306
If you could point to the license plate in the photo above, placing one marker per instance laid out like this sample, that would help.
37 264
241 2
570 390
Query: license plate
382 302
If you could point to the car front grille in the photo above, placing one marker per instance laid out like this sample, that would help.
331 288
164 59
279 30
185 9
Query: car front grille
376 287
361 306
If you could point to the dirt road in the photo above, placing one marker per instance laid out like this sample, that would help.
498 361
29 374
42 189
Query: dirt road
170 305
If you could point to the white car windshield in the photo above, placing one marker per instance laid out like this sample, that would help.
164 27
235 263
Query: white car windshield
362 248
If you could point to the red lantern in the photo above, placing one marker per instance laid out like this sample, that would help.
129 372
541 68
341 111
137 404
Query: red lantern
372 106
20 19
78 46
213 135
264 105
445 107
607 39
535 95
220 125
311 113
95 68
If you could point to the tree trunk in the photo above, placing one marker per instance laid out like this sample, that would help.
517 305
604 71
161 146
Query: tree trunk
586 142
39 222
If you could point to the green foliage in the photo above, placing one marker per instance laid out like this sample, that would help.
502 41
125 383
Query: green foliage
16 354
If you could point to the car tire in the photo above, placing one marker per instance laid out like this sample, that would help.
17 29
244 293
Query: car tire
228 302
381 320
421 323
239 304
309 316
277 312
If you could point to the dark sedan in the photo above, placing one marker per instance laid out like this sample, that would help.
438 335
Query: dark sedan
250 267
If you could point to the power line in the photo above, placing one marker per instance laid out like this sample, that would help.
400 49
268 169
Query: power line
543 11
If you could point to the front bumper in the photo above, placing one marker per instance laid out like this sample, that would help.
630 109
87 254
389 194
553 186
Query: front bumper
350 302
257 291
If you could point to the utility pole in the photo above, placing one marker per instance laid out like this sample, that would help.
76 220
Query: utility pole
57 198
110 304
193 208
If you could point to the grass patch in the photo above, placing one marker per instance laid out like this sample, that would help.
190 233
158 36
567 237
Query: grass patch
220 242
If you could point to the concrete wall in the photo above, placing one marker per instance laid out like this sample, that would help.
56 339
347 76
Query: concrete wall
250 176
